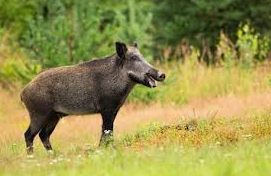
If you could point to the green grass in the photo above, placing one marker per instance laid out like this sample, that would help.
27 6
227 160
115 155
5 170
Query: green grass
247 158
237 146
188 81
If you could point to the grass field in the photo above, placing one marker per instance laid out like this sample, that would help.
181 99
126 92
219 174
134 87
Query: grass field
236 146
222 128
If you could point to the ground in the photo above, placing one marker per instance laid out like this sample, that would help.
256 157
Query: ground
227 135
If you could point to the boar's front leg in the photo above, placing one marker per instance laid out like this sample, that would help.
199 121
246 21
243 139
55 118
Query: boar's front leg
108 118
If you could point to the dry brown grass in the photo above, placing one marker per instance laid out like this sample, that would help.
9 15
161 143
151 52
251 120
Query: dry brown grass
14 118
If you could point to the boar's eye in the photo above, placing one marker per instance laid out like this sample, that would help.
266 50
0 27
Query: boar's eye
134 58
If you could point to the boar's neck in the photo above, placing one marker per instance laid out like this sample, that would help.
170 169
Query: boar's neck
111 80
119 84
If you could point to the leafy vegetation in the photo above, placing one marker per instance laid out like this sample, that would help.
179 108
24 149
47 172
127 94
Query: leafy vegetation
71 32
205 19
62 32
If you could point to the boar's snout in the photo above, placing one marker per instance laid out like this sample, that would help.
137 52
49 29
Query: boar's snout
161 76
157 75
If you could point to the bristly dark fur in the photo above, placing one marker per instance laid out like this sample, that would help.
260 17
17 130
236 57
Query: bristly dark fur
98 86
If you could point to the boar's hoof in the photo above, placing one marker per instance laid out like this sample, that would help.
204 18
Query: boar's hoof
29 152
106 138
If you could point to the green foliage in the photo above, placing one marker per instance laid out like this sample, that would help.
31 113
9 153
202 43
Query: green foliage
18 71
251 46
14 14
15 68
204 19
226 51
72 31
64 32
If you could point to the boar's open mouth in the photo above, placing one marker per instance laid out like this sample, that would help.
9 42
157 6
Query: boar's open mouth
150 81
147 79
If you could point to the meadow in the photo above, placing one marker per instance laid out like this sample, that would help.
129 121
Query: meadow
207 121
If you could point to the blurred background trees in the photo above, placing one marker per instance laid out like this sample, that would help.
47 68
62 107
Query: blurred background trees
49 33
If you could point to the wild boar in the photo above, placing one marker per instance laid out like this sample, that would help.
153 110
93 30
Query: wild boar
97 86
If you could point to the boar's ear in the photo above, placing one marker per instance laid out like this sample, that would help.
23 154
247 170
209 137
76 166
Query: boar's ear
121 49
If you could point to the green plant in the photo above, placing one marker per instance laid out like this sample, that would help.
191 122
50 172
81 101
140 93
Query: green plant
15 71
74 31
203 20
15 13
251 46
67 34
226 51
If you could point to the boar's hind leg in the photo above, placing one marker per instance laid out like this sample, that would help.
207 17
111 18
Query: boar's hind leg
47 130
36 123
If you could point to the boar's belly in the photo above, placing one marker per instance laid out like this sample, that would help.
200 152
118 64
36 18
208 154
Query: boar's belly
76 108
